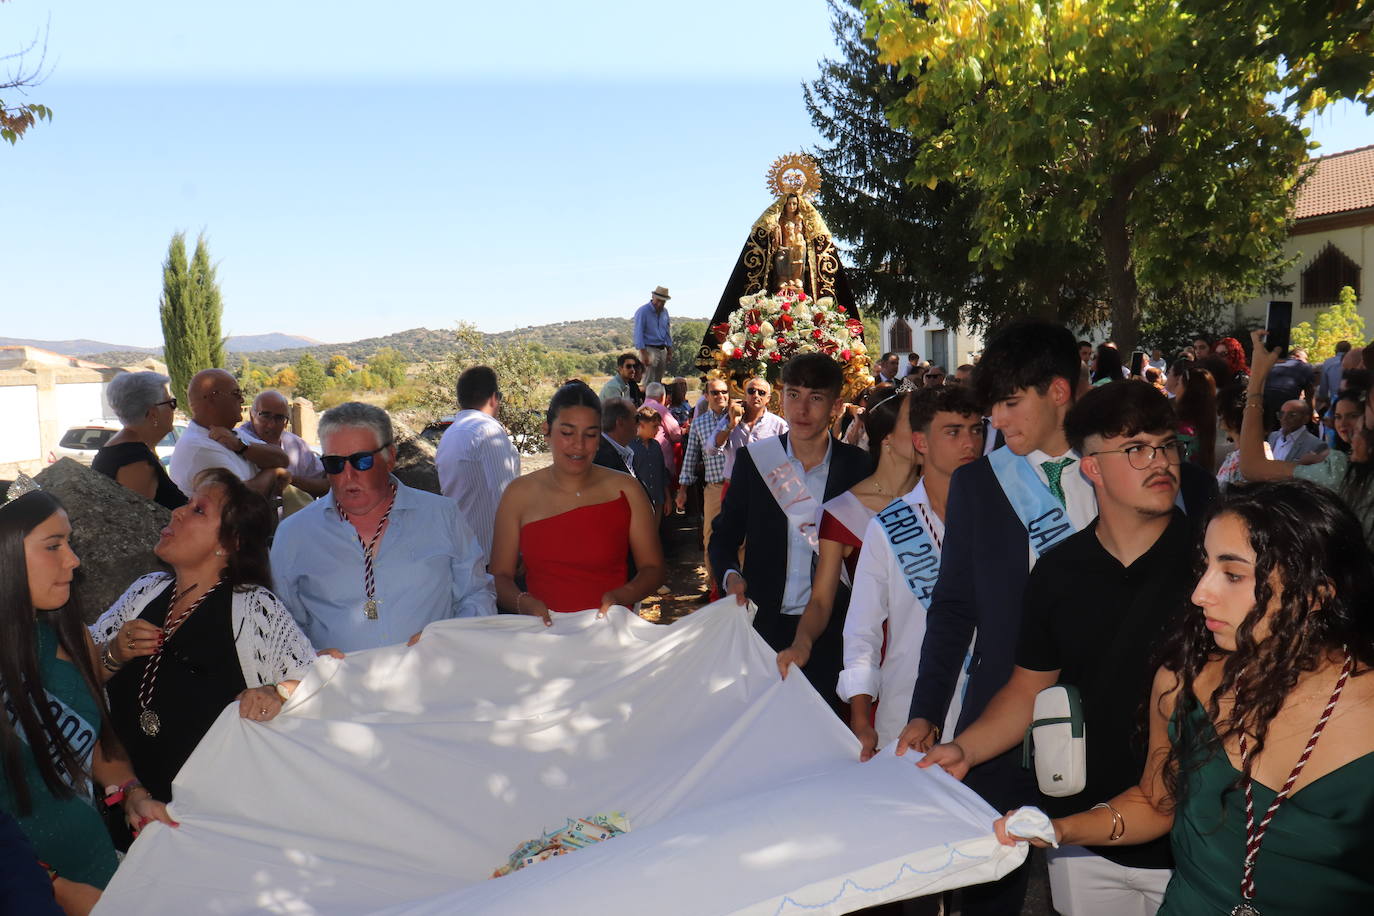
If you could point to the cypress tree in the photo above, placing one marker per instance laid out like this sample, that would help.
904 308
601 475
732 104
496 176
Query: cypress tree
190 308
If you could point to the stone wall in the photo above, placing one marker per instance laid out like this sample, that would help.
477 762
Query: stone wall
114 531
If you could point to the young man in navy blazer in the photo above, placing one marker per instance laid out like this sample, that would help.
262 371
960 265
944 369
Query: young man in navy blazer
778 558
1005 510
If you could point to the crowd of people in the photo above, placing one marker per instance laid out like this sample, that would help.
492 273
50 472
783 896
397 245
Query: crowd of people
943 558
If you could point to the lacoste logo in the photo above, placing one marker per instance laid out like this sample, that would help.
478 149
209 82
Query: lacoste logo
1058 777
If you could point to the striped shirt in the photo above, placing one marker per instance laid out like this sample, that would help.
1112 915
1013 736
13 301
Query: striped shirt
701 449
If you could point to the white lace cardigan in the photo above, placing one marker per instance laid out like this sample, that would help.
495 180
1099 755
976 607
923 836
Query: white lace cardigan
270 646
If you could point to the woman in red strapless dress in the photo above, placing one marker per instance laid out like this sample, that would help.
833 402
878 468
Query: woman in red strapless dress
574 524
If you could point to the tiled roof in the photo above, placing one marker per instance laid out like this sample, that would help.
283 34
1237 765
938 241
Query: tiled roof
1340 182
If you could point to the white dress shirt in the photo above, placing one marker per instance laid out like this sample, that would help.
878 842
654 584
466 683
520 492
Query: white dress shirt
796 591
881 596
768 424
476 461
195 451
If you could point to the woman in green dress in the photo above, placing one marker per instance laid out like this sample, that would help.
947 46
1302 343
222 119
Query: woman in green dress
54 739
1262 719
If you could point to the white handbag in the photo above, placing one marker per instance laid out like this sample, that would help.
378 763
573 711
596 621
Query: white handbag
1060 740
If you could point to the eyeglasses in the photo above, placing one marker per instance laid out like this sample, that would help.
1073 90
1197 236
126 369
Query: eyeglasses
713 392
362 461
1142 456
273 417
172 403
758 391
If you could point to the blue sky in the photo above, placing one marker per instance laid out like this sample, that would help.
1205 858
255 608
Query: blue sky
362 168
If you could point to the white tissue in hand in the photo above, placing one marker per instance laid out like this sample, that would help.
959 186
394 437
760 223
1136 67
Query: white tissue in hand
1031 824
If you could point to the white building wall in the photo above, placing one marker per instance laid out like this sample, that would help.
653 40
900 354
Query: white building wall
19 419
1355 242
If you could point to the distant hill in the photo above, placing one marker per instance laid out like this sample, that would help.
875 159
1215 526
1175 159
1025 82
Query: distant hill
255 343
79 347
417 345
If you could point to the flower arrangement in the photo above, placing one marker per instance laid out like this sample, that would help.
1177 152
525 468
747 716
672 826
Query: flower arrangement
766 331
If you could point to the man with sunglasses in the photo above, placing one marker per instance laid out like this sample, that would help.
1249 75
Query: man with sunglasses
625 382
751 421
216 407
1094 610
375 561
266 425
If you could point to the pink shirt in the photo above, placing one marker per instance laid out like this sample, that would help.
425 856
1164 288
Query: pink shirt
669 432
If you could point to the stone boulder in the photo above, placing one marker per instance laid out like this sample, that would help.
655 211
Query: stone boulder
414 459
114 531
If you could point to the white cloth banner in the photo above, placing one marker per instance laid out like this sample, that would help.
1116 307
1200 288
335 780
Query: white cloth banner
397 779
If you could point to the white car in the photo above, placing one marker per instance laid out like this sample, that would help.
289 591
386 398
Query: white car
80 443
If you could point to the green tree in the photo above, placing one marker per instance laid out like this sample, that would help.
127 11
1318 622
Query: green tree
386 364
190 308
687 337
909 244
310 377
1115 124
1341 321
249 378
339 367
1327 48
521 370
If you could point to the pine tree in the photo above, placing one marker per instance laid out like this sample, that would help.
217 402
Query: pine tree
190 308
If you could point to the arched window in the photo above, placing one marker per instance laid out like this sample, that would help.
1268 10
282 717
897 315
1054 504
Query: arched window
899 336
1323 278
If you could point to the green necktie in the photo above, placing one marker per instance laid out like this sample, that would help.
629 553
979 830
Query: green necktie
1054 470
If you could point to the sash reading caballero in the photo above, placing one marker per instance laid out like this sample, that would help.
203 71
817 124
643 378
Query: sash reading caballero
1047 522
913 547
789 490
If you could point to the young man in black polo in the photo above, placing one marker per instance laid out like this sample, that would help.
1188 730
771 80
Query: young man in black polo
1095 608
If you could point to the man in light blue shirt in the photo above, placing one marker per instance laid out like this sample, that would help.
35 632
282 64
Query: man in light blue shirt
374 561
653 334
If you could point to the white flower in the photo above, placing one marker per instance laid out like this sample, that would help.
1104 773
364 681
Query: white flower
747 301
769 343
807 348
826 302
766 329
738 339
727 348
858 347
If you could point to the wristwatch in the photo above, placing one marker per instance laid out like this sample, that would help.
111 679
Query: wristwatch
243 447
282 691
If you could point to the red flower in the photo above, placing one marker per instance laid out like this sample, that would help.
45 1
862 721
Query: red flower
801 297
786 307
818 318
842 310
775 356
846 355
721 331
787 321
817 334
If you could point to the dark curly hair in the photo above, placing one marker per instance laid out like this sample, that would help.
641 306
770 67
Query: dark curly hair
1306 537
1026 354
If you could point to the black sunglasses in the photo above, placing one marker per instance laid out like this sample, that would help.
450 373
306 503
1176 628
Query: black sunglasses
172 403
755 391
362 461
